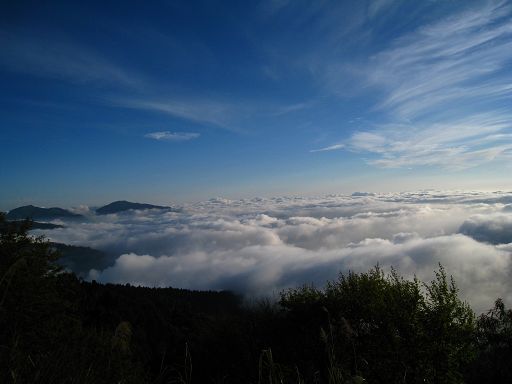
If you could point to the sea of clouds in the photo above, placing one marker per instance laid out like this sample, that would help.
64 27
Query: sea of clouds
262 245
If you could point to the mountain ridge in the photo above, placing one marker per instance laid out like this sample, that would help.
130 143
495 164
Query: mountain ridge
123 205
33 212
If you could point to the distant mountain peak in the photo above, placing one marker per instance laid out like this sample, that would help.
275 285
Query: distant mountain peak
33 212
123 205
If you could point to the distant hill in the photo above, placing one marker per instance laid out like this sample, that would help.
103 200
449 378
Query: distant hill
34 213
81 260
38 225
121 206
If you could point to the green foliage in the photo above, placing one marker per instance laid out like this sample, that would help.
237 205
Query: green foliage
269 371
42 338
494 343
386 329
28 292
451 323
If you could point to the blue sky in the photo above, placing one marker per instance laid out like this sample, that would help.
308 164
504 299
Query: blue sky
185 100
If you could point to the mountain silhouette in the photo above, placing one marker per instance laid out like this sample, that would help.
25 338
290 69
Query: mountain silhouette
122 205
32 212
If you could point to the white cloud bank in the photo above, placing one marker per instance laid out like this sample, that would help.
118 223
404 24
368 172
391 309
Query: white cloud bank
259 246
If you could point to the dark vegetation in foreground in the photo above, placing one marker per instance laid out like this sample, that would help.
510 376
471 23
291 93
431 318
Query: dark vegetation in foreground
368 327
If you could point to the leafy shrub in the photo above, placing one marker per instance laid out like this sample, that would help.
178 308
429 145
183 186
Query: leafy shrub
388 329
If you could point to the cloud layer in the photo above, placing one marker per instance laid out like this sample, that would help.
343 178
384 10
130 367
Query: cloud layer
260 246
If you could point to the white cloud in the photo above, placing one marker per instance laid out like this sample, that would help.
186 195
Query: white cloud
456 58
482 271
329 148
494 229
377 6
61 59
457 144
172 136
259 246
443 89
201 111
231 115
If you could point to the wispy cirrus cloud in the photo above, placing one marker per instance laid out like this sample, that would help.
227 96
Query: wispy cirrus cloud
377 6
329 148
203 111
456 144
461 57
58 58
444 90
231 115
172 136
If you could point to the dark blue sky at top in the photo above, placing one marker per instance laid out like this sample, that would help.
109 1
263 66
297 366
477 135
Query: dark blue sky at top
186 100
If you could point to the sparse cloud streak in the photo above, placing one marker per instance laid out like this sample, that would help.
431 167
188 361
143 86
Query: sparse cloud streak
172 136
199 111
56 58
231 115
329 148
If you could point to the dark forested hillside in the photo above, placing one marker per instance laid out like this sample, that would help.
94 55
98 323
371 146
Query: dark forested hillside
32 212
38 225
80 260
368 327
121 206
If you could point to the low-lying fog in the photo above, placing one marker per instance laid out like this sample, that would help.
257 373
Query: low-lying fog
260 246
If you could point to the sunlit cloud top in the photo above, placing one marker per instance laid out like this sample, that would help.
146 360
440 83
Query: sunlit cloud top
262 245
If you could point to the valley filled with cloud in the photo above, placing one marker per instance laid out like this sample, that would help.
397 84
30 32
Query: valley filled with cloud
261 246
